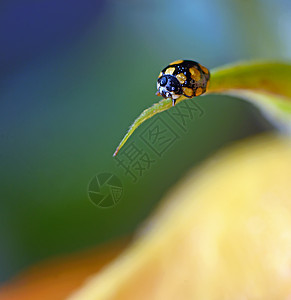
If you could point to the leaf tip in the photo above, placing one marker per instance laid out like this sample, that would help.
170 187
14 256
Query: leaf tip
116 151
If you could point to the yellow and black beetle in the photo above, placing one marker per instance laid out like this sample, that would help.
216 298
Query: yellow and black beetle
183 77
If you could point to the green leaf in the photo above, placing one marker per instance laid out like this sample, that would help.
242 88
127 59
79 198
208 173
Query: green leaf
265 84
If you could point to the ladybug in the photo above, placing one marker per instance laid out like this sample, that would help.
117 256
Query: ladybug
182 77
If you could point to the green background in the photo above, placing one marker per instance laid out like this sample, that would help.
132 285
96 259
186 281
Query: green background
68 97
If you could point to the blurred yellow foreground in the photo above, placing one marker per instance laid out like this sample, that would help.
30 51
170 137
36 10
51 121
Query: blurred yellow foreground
224 232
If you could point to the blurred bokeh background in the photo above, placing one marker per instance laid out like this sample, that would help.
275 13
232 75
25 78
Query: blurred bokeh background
75 74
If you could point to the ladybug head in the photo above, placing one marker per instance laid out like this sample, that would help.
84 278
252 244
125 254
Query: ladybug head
169 87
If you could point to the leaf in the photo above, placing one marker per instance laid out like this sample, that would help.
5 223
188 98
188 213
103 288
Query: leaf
223 232
265 84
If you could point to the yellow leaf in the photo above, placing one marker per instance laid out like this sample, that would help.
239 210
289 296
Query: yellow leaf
223 233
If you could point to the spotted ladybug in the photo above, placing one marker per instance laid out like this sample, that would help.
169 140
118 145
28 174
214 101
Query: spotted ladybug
183 77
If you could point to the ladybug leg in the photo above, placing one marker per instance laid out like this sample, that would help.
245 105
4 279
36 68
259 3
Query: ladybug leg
173 102
158 93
